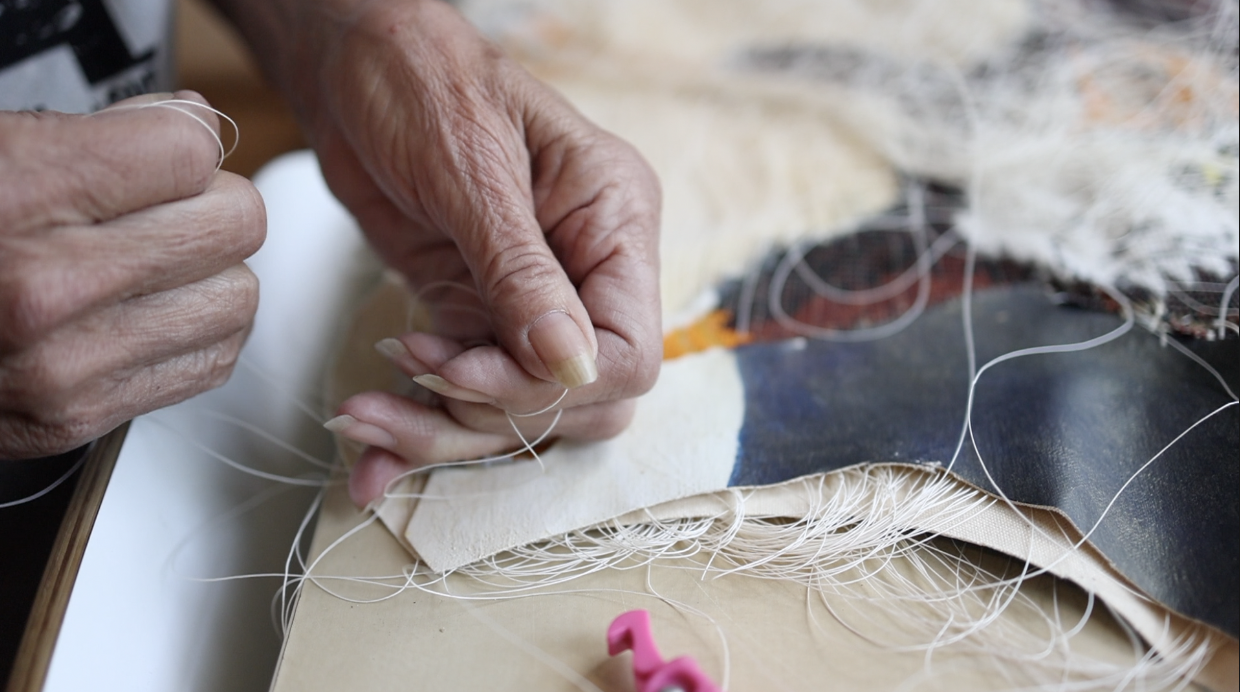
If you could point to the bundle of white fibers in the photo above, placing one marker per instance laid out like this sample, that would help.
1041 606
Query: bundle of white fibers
1097 147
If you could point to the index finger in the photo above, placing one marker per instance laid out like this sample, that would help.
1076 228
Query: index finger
58 169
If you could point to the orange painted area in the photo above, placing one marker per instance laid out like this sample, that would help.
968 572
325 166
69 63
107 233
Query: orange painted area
1161 88
708 332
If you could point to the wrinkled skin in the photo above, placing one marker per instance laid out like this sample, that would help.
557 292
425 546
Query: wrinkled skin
463 168
532 233
122 287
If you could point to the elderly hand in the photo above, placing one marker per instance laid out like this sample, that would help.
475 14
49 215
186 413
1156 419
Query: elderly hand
121 283
532 232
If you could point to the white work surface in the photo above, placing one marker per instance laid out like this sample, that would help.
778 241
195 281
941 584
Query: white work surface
140 618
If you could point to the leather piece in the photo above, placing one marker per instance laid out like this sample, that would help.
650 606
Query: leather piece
1064 431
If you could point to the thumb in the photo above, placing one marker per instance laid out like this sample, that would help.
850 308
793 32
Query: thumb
534 307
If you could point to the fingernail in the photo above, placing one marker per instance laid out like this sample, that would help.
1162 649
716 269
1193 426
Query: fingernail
143 99
356 430
562 347
392 348
396 351
440 386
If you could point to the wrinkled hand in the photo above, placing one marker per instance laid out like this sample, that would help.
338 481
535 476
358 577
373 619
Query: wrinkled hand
530 230
121 283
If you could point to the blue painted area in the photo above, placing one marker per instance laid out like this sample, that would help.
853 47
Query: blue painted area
1060 430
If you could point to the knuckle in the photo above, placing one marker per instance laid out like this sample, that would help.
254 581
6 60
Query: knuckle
611 419
197 155
24 438
636 369
43 393
215 364
70 433
180 378
45 380
227 301
221 371
32 302
645 371
245 293
245 212
22 391
514 272
378 21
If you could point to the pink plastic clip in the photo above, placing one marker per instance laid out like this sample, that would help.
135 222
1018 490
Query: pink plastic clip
631 632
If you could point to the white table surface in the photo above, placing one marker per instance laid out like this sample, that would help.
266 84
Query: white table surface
138 618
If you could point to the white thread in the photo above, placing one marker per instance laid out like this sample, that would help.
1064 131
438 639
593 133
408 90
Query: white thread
1193 653
1177 289
466 288
540 411
171 104
661 546
657 535
311 412
915 226
795 257
54 484
458 285
1204 365
1067 348
250 427
312 480
1223 310
528 446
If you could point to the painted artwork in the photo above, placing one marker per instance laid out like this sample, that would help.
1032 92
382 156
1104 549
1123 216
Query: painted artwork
1083 432
995 250
810 384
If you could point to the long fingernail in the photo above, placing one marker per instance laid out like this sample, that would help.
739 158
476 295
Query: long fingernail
396 351
440 386
358 431
562 347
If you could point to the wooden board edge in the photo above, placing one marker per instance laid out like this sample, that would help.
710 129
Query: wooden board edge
34 656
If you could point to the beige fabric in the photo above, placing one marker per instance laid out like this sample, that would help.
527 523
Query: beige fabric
507 509
778 638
